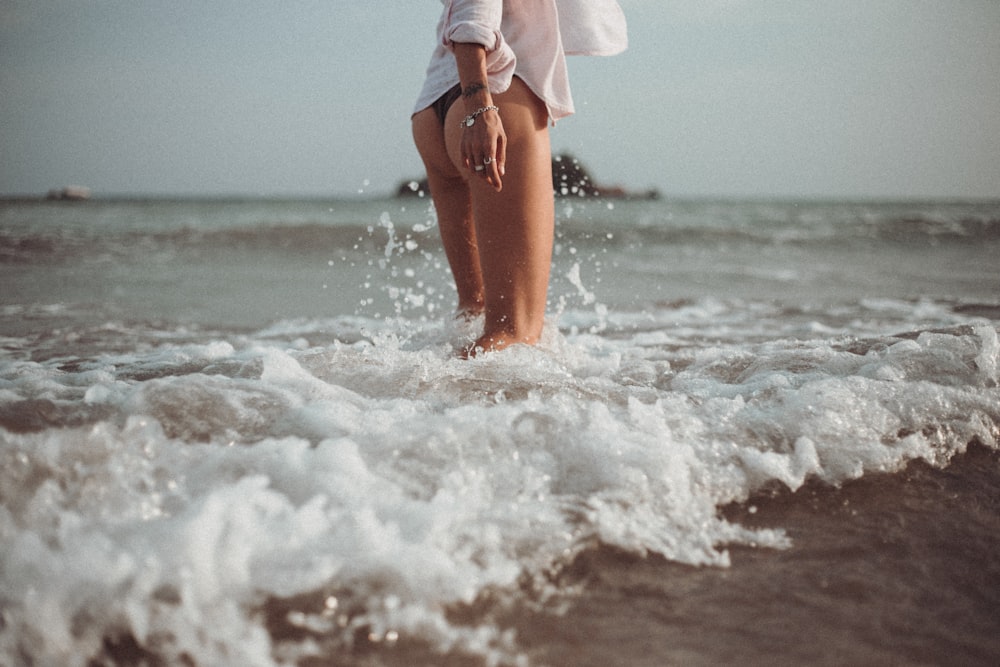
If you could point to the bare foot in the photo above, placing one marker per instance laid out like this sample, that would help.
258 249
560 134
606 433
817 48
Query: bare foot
495 343
468 314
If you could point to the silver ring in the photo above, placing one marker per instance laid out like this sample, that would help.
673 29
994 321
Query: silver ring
479 167
487 160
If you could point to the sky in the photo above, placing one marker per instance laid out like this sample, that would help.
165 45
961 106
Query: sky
714 98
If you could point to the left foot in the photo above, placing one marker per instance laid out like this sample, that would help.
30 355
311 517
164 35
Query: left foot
495 343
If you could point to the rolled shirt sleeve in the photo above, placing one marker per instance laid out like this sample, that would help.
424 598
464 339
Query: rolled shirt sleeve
474 22
540 32
478 22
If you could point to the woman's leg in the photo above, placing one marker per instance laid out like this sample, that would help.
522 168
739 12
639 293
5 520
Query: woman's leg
513 228
452 202
498 244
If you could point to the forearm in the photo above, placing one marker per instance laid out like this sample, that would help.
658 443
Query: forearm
484 142
471 60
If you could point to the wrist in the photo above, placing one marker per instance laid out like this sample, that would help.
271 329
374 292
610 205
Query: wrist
470 120
476 96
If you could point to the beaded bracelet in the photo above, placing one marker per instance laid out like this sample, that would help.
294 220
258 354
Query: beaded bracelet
470 120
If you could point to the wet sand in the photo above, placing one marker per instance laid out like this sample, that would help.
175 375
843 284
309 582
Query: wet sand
892 569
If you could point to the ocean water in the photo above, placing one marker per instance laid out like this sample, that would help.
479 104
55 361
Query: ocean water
237 433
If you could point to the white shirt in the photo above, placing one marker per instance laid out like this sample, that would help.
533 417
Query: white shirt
529 38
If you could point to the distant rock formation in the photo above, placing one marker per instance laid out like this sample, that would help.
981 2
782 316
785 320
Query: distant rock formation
569 179
69 193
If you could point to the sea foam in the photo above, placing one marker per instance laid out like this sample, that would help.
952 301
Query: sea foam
176 495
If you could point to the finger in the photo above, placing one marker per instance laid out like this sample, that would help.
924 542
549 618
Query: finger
494 174
497 158
484 163
477 163
473 162
502 154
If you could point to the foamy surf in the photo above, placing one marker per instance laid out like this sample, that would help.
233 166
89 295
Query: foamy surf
237 432
301 491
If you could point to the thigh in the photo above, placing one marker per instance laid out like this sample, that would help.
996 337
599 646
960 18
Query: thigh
514 227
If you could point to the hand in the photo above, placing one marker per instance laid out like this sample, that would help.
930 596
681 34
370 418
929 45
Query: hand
484 148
